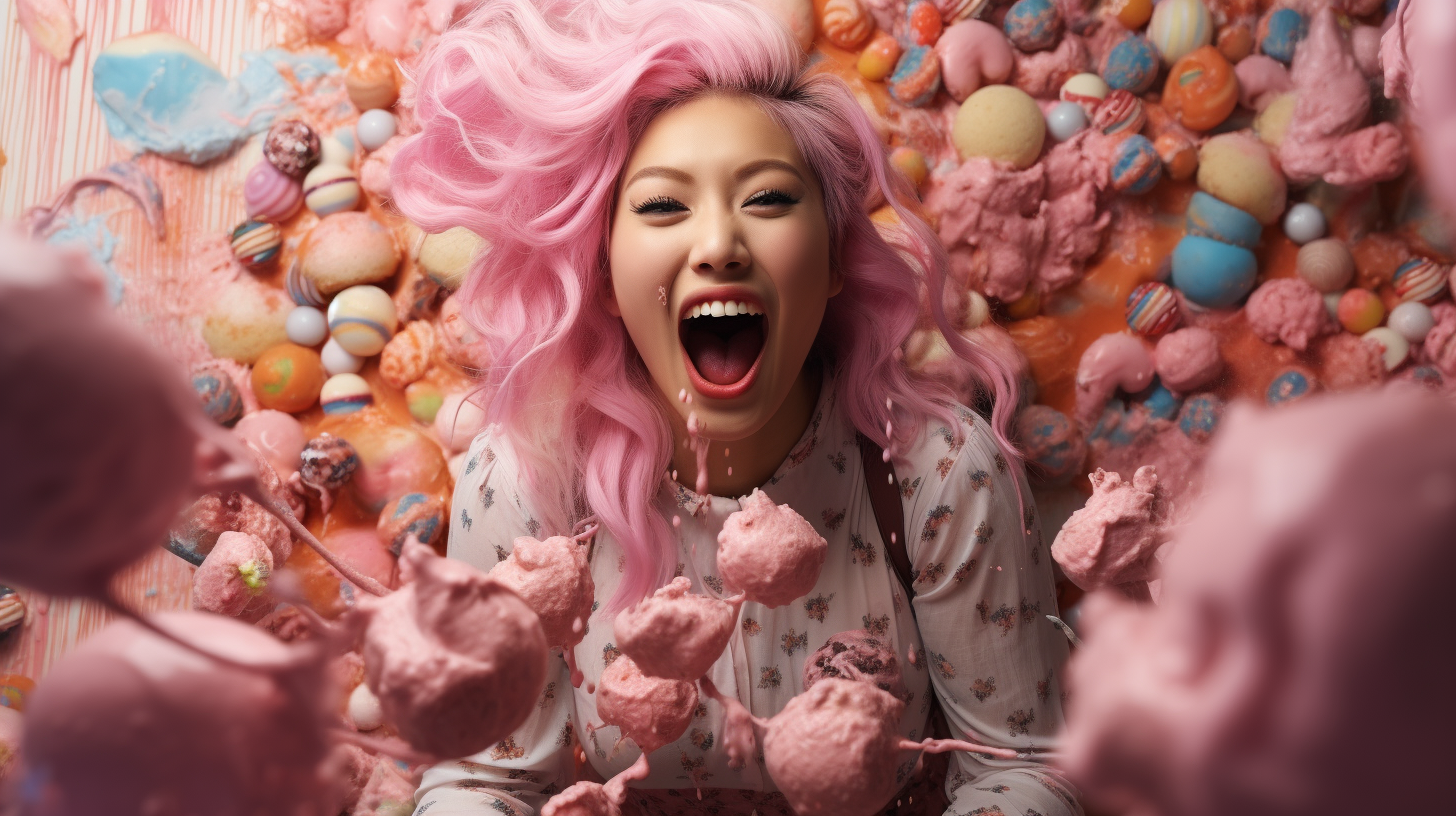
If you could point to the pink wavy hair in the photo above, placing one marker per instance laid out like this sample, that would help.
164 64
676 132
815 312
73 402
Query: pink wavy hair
529 110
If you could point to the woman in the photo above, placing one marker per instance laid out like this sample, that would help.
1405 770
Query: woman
646 174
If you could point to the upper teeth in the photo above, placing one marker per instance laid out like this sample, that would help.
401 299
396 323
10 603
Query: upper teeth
719 308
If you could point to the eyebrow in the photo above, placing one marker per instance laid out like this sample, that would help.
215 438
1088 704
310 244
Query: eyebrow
743 172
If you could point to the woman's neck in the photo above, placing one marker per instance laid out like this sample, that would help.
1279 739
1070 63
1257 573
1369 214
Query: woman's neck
753 459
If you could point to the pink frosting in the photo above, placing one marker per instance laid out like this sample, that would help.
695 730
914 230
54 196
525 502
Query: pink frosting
770 552
1439 347
1043 73
1261 79
233 579
1110 541
1113 362
676 634
1009 231
650 711
1321 549
374 171
218 513
973 53
1326 139
1187 359
1347 362
857 655
554 579
130 720
456 658
1288 310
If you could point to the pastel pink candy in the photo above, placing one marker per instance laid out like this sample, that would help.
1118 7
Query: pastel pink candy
364 550
233 578
650 711
270 195
1113 362
675 634
1261 79
1110 541
834 749
277 436
131 724
770 552
1320 549
1187 359
1288 310
455 657
973 53
554 579
857 655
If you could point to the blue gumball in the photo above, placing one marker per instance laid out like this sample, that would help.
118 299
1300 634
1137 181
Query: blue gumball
1211 218
1131 65
1213 274
1286 27
1200 416
1288 386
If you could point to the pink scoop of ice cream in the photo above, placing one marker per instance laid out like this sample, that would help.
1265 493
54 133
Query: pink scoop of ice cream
770 552
1112 362
857 655
1187 359
455 657
973 53
133 724
1288 310
650 711
233 579
1320 553
675 634
1111 540
554 579
1261 80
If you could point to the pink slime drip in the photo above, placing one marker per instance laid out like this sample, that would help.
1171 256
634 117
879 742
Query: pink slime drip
700 449
1112 362
127 177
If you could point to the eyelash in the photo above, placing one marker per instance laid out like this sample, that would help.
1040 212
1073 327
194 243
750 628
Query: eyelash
664 204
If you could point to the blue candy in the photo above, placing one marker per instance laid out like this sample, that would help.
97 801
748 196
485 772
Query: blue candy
1033 25
1159 401
1286 28
1200 416
1288 386
1137 168
1211 218
220 396
1131 65
1212 274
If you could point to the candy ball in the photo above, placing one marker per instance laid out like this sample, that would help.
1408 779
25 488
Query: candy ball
446 256
423 400
414 514
1200 416
1065 120
1152 309
372 81
269 194
1188 359
256 243
1054 444
1304 223
973 53
1087 90
1327 264
1213 274
301 290
1413 320
1211 218
1002 123
375 127
1282 32
1394 348
330 188
1201 90
1420 280
337 153
345 394
1178 27
1288 386
911 164
1133 14
1360 311
954 11
288 378
338 361
879 58
346 250
292 147
276 435
1179 155
365 710
922 22
1332 304
395 460
246 320
1136 167
1239 170
362 319
845 23
220 396
1033 25
1272 123
916 77
307 326
1120 112
327 462
1131 65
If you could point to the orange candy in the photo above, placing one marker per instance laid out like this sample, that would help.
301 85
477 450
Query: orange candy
911 163
1133 14
1360 310
878 59
1235 42
844 22
288 378
1024 307
1180 156
1202 90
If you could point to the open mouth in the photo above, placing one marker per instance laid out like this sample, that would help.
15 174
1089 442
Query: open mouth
723 343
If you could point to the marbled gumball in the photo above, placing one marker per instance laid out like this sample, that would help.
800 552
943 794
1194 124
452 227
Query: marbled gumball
293 147
270 194
413 514
288 378
845 23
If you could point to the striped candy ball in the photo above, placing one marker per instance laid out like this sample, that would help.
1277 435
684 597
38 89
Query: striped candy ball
256 243
1120 112
1180 26
269 194
362 319
12 609
301 289
953 11
1152 309
345 394
330 188
1420 280
916 77
845 23
413 514
1137 167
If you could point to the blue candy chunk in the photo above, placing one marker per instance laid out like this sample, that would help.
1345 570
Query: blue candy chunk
1211 218
1212 274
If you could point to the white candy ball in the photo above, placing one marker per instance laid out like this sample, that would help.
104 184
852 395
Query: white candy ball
338 361
307 326
1413 320
1065 120
375 127
365 709
1304 223
1394 348
1332 303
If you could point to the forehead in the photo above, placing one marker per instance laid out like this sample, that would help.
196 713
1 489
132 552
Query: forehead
713 133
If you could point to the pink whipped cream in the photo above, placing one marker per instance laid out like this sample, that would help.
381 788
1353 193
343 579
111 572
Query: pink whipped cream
650 711
770 552
1113 362
675 634
1187 359
1288 311
1110 541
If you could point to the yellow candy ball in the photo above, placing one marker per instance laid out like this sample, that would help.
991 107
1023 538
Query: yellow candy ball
362 319
1002 123
878 59
1238 169
911 163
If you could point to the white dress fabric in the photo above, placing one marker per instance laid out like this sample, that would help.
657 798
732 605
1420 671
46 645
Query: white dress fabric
983 588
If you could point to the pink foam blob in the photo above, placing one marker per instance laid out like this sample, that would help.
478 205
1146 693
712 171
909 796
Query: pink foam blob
554 579
1113 362
1188 359
233 579
770 552
277 436
857 655
1110 541
650 711
676 634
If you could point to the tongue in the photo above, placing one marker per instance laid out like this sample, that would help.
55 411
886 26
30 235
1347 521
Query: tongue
724 362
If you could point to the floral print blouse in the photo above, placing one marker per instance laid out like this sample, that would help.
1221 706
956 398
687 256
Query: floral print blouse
982 590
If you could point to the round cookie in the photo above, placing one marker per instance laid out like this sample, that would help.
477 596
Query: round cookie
1002 123
246 320
347 249
1238 169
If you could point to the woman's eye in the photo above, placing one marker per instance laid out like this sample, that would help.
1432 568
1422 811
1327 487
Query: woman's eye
770 198
658 205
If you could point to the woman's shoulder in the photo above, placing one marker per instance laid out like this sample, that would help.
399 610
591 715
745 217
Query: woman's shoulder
956 439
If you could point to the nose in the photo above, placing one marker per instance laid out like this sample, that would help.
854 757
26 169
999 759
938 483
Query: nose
718 249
